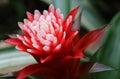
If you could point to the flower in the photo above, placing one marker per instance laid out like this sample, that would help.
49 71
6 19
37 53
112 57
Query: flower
49 37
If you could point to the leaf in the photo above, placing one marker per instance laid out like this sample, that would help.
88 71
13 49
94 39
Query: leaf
110 51
97 67
91 19
90 38
77 23
34 77
91 49
109 54
105 75
12 60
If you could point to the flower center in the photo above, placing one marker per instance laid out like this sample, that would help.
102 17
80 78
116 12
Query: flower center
49 31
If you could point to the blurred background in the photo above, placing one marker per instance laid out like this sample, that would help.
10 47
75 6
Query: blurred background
97 12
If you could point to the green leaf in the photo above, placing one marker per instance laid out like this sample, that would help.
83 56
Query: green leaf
105 75
109 54
12 60
34 77
91 19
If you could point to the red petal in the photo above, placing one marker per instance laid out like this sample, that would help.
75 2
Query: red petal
78 54
36 69
21 25
28 71
77 23
51 8
30 16
90 38
13 41
72 13
21 47
71 38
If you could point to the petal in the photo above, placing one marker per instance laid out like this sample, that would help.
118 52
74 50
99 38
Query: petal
21 47
16 42
13 41
37 14
78 54
23 28
51 8
70 39
34 51
77 23
90 38
28 71
30 16
36 69
72 14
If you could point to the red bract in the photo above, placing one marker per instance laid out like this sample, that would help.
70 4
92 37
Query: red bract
48 37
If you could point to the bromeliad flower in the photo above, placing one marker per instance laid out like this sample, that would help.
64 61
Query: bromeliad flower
48 37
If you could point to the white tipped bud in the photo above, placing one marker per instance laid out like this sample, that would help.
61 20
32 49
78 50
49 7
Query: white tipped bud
62 16
54 40
29 50
37 15
51 8
58 47
30 16
20 37
50 37
58 11
41 40
26 21
46 42
26 39
46 48
48 18
45 12
35 45
69 20
21 25
12 36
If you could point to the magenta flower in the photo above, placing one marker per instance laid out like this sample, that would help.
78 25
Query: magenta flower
49 37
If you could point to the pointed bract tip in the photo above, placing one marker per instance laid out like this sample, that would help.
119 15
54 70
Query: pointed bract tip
29 16
20 23
77 7
36 11
51 6
28 13
12 36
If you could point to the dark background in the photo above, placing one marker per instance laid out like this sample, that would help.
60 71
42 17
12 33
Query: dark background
12 11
